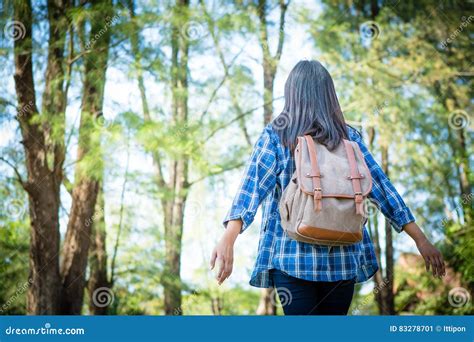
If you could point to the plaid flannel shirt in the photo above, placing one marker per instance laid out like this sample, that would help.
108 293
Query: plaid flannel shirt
267 173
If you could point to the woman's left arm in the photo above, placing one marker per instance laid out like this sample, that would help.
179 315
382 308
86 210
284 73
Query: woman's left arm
432 256
387 198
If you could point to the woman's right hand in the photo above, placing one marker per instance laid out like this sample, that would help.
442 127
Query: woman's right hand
224 251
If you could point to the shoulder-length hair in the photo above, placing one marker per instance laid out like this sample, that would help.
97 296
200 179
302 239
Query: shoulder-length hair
311 107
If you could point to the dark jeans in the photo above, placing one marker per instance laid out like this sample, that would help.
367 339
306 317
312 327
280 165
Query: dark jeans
303 297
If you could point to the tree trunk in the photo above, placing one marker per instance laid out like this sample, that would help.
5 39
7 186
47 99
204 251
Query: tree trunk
459 148
216 305
175 189
267 304
78 236
98 277
383 284
465 184
269 62
373 223
383 279
268 82
387 289
175 200
43 182
171 278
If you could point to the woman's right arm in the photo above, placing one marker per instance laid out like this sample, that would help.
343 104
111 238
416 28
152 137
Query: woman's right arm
224 251
259 179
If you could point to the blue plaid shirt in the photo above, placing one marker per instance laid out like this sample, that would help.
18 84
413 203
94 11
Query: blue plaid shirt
267 173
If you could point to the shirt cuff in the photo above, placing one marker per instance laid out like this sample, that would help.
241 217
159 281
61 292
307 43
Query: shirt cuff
241 213
400 218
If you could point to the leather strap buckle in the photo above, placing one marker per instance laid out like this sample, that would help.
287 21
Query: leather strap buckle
314 175
360 176
318 196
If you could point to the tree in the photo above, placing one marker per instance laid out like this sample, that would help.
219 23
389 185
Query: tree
86 182
267 305
52 290
44 180
98 277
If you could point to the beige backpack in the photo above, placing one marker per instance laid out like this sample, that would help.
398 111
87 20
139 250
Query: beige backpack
324 201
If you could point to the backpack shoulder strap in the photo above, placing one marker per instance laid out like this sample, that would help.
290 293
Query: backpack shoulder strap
315 174
355 176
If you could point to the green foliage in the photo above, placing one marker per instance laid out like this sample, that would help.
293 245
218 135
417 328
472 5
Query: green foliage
14 242
459 250
420 294
235 301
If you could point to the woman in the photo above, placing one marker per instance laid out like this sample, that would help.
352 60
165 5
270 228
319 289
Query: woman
310 279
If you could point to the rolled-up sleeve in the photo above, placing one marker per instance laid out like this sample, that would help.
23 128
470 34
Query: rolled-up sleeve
383 193
258 181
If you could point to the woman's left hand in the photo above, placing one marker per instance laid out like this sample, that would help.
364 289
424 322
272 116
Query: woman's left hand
433 258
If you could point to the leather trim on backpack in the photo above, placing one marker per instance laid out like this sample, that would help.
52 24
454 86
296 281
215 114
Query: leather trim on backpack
322 234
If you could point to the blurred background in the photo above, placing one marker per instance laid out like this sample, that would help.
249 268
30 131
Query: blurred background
125 127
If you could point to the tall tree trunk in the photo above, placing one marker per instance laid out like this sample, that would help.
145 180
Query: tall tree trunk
98 277
458 145
171 278
378 278
174 202
43 181
269 62
387 290
383 279
267 304
465 182
384 295
175 189
78 235
216 305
